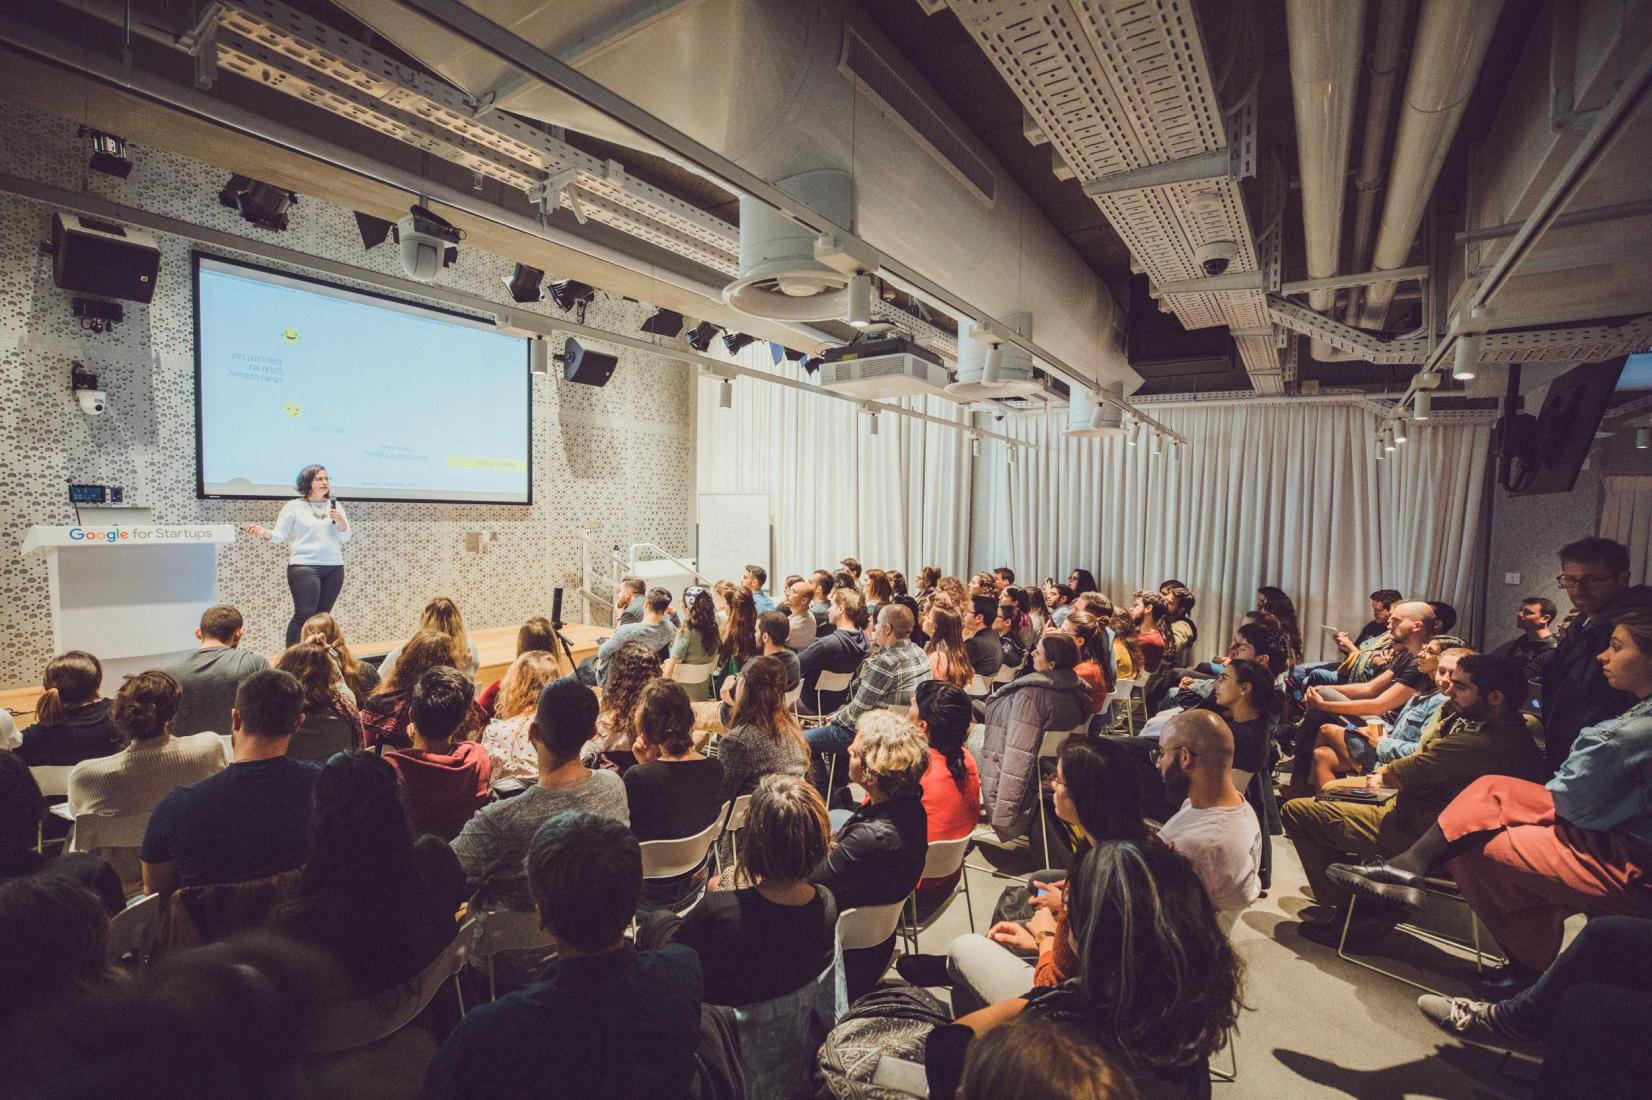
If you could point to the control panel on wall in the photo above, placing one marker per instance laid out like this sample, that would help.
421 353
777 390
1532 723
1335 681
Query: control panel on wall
97 494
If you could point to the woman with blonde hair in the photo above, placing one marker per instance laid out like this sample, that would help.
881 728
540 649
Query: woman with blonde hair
442 614
72 717
629 670
384 715
948 660
534 635
358 677
506 736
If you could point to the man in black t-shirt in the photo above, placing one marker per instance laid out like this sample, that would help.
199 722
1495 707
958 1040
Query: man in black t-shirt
986 652
1536 640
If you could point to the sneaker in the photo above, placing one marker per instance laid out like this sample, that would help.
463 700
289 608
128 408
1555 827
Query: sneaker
1470 1021
1380 882
924 970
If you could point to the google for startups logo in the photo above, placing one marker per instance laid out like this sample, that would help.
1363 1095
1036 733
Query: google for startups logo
114 534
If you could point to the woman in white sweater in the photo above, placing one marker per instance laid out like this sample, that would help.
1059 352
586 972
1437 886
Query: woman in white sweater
132 781
317 530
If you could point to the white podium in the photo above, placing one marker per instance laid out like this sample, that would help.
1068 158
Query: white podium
129 594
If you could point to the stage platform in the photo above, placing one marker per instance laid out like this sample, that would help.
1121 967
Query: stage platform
497 646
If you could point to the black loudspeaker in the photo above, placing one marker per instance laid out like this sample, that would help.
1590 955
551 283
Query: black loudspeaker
98 257
588 368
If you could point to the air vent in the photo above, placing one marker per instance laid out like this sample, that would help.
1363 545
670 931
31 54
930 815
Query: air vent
873 76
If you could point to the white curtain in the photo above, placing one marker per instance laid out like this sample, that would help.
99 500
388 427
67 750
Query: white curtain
1287 494
1626 517
897 500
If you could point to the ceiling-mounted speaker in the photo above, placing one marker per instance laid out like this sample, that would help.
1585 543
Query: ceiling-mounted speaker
588 368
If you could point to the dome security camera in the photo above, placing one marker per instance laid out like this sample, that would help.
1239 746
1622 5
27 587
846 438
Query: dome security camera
1215 256
93 402
427 244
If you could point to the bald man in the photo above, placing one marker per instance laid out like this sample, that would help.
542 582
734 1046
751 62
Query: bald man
1215 830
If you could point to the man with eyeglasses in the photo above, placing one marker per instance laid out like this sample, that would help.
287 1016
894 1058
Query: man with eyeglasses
1595 574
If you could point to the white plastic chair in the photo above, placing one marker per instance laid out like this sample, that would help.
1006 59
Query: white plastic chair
670 858
1049 746
793 696
830 681
1125 691
944 857
1005 674
869 925
736 822
978 688
133 929
899 710
360 1023
689 675
229 746
53 779
94 832
502 930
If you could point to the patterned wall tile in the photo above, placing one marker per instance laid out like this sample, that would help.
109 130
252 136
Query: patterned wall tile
619 458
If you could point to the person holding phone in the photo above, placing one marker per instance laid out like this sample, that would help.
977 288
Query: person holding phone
316 528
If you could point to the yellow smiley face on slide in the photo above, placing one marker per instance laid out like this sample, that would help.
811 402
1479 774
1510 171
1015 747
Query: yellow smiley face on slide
290 335
292 408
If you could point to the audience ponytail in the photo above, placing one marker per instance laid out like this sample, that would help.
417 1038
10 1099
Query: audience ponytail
145 705
1263 694
71 680
946 713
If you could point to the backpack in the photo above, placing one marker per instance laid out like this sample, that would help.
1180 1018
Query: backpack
894 1019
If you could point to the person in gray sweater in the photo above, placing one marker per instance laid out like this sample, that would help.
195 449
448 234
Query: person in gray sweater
493 844
1018 715
210 676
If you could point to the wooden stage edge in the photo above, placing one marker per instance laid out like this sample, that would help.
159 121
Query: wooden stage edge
497 646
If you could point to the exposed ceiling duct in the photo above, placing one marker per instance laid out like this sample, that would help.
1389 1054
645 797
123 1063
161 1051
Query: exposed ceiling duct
779 274
1386 54
990 370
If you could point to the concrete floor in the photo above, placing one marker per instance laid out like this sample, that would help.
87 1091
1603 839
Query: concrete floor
1316 1025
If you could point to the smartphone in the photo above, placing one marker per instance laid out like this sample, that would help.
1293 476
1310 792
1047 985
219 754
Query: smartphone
1040 893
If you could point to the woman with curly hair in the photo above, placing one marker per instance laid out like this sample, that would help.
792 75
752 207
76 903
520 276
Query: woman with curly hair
948 660
506 737
1276 603
331 722
629 671
358 676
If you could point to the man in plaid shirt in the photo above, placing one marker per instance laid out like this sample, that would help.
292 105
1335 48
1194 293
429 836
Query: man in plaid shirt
888 678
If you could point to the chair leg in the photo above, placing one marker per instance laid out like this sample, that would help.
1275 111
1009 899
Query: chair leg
1230 1074
1043 822
969 904
1342 953
493 992
459 992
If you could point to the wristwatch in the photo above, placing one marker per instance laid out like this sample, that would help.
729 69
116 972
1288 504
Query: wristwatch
1038 939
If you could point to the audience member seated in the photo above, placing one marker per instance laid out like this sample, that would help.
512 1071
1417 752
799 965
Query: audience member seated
1158 985
210 675
897 581
1128 662
385 714
819 600
605 1020
951 783
628 601
537 635
986 652
441 615
630 670
1017 716
494 842
652 632
928 578
877 855
949 661
1252 641
249 821
1525 856
1008 626
764 737
1148 612
21 810
800 623
131 782
1423 713
1409 624
879 591
840 650
52 935
380 902
1595 574
753 580
1356 749
331 722
887 679
697 641
1098 798
1058 599
1030 1059
673 791
510 754
1091 639
739 642
1275 602
1531 647
1178 606
1487 736
443 782
1245 698
358 677
1081 580
775 933
1216 830
771 634
71 719
1589 1010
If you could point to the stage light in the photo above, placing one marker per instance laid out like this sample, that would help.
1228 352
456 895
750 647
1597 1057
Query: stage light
874 423
992 367
1133 436
1399 430
859 309
1012 449
539 356
571 294
1643 438
108 153
1423 405
523 283
1388 439
1467 355
699 337
1382 453
263 204
734 341
1157 442
725 394
665 322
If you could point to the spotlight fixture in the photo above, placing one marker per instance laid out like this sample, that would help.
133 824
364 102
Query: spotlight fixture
539 356
859 309
1422 405
665 322
1388 439
725 394
1012 449
571 294
1158 443
1133 436
108 153
263 204
992 367
1467 355
1399 430
1643 438
874 423
523 283
699 337
734 341
1382 452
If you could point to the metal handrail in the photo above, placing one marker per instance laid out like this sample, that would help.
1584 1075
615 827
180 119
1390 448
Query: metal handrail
672 558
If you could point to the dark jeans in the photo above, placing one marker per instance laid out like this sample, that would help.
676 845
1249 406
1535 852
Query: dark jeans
826 742
1609 951
315 589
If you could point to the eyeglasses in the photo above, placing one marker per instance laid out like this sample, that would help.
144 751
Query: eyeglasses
1587 580
1156 755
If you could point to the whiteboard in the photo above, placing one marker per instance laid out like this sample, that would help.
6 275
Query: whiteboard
733 533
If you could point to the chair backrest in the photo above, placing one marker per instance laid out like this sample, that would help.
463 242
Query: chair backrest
868 925
979 686
1005 674
945 857
794 695
670 858
499 930
53 779
693 674
898 709
737 815
133 928
834 681
94 831
356 1024
1051 742
229 746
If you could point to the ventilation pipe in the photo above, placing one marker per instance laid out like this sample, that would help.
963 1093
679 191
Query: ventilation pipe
1326 39
988 370
1379 111
1451 41
779 275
